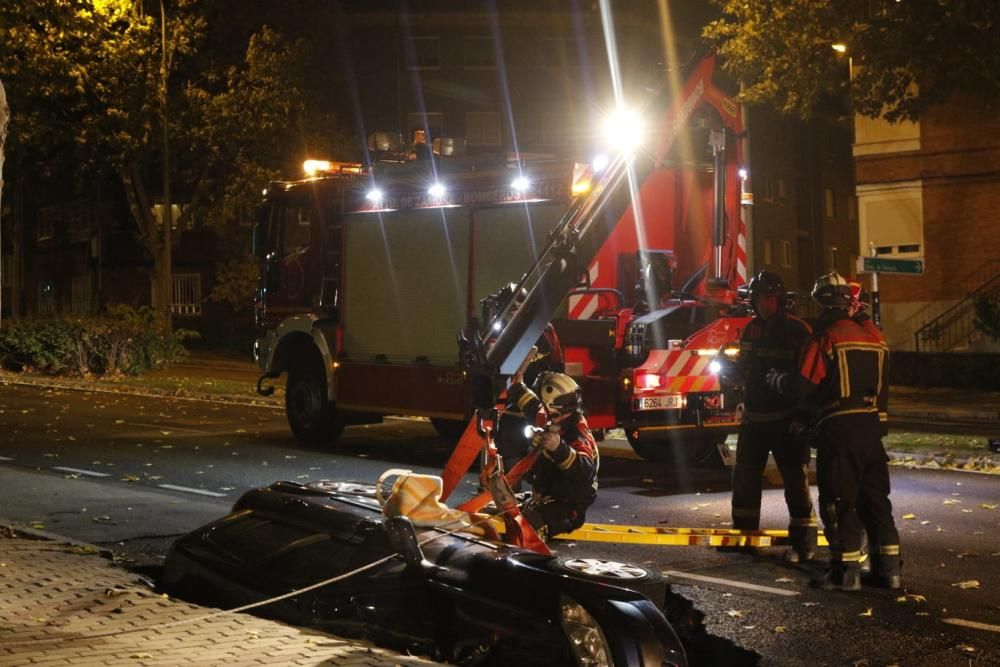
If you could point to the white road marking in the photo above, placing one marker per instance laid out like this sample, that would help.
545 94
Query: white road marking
78 471
972 624
187 489
5 458
165 427
730 582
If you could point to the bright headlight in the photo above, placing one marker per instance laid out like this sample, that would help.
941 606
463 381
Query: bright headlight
584 634
714 367
624 130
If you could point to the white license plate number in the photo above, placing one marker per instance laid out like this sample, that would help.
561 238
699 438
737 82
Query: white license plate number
671 402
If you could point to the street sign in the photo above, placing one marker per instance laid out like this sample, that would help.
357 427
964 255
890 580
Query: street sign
913 267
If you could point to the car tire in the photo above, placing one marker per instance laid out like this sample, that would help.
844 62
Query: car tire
624 575
313 418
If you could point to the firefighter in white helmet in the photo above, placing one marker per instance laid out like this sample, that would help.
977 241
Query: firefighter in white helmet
564 477
842 381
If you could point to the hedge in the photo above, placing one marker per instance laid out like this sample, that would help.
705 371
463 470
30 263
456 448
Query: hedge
124 340
943 369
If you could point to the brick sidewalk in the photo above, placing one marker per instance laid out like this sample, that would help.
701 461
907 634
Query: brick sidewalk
62 605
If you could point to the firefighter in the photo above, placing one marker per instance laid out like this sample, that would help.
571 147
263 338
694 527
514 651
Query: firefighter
773 339
842 382
564 477
511 441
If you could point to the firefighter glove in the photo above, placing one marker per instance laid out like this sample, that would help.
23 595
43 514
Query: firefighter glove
547 439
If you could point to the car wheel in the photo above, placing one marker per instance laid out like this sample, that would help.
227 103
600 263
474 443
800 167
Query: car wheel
313 418
624 575
604 570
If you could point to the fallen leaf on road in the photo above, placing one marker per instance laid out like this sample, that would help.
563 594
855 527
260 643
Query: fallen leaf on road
784 580
106 520
130 478
119 421
735 613
966 511
911 597
989 506
965 585
779 628
809 604
924 522
868 612
966 647
749 627
647 480
141 656
37 525
909 516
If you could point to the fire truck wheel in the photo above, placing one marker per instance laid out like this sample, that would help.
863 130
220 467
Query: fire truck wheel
313 419
695 452
449 429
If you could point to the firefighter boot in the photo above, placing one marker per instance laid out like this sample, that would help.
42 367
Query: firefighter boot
840 576
803 539
887 572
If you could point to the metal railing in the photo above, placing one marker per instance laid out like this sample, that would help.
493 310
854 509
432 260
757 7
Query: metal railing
956 326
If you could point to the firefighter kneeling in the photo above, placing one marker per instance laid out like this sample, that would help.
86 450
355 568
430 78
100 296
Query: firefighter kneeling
564 477
842 380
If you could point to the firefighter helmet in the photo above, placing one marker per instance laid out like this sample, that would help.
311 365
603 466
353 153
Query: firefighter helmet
559 393
832 291
766 282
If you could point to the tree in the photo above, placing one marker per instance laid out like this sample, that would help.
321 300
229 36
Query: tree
86 82
907 55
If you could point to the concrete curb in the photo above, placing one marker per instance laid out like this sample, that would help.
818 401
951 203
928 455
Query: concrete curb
20 529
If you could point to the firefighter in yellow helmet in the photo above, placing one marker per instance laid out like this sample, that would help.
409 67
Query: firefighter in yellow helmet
842 382
564 477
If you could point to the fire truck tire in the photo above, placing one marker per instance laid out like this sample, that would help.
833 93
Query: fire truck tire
449 429
697 452
313 418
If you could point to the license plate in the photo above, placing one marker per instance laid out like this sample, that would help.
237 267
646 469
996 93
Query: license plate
671 402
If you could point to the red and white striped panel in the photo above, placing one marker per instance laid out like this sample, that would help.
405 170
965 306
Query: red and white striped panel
683 371
741 248
582 306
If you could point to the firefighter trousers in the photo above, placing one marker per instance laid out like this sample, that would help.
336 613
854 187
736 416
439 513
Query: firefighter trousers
791 454
853 478
553 516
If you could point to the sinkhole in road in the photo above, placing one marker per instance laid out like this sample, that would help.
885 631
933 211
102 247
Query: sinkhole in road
703 649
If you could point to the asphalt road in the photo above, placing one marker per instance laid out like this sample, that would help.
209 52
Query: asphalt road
131 472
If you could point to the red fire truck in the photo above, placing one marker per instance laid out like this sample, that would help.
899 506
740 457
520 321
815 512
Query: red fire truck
370 272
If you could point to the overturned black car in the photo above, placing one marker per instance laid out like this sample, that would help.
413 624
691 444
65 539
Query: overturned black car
455 598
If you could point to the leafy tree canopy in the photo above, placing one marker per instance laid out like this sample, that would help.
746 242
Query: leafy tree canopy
907 54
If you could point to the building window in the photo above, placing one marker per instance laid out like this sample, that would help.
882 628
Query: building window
480 53
187 294
768 252
81 295
829 203
46 224
46 298
425 53
786 253
482 128
766 182
431 123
